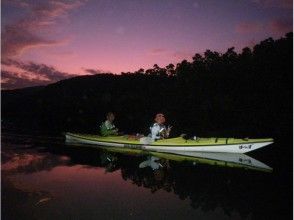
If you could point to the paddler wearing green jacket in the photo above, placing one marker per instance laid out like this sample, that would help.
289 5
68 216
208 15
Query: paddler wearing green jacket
107 128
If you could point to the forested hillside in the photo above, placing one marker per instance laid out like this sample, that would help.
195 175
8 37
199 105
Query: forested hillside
223 94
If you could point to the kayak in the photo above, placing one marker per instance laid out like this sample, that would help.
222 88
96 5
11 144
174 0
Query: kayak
178 144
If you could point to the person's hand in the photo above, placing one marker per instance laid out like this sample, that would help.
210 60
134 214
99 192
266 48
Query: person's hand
115 131
168 131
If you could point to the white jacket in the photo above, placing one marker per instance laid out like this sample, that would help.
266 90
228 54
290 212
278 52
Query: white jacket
156 129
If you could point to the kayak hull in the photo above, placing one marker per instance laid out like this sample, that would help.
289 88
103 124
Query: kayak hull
179 144
228 148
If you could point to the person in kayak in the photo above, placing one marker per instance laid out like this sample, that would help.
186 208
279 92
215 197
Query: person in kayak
158 129
108 128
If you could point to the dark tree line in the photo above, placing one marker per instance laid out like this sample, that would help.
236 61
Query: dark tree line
223 94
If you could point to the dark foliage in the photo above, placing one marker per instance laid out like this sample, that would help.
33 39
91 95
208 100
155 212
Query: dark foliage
248 93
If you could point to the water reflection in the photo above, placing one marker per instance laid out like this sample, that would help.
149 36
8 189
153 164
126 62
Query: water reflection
30 162
207 187
49 176
20 203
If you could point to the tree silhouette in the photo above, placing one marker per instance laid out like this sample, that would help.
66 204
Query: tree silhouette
215 93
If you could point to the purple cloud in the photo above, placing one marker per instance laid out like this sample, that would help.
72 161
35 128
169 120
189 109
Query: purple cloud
280 26
24 34
17 3
286 4
29 74
11 80
93 71
181 55
248 27
175 55
158 51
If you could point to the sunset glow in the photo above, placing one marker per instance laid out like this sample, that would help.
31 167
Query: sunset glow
46 41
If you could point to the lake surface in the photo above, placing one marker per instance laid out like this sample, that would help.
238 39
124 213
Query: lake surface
43 178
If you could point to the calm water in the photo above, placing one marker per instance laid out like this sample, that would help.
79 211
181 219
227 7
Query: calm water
42 178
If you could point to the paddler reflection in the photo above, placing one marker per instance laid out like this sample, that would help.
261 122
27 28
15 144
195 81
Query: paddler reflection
109 161
155 163
158 173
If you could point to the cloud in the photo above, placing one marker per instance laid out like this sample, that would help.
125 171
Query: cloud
280 26
120 30
158 51
250 43
61 55
286 4
27 32
169 56
195 5
93 71
29 74
182 55
17 3
11 80
16 40
248 27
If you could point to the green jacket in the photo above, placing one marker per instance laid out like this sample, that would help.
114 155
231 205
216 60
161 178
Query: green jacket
107 128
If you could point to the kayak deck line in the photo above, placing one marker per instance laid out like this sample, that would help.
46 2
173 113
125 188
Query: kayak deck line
96 139
173 144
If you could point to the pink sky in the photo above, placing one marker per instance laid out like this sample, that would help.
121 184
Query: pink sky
55 39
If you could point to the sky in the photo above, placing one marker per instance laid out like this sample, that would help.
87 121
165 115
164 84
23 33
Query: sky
49 40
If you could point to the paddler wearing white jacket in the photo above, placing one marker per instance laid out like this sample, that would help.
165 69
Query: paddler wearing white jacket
158 129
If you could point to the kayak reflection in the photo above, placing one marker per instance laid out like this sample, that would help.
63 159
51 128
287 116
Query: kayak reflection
219 159
156 160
